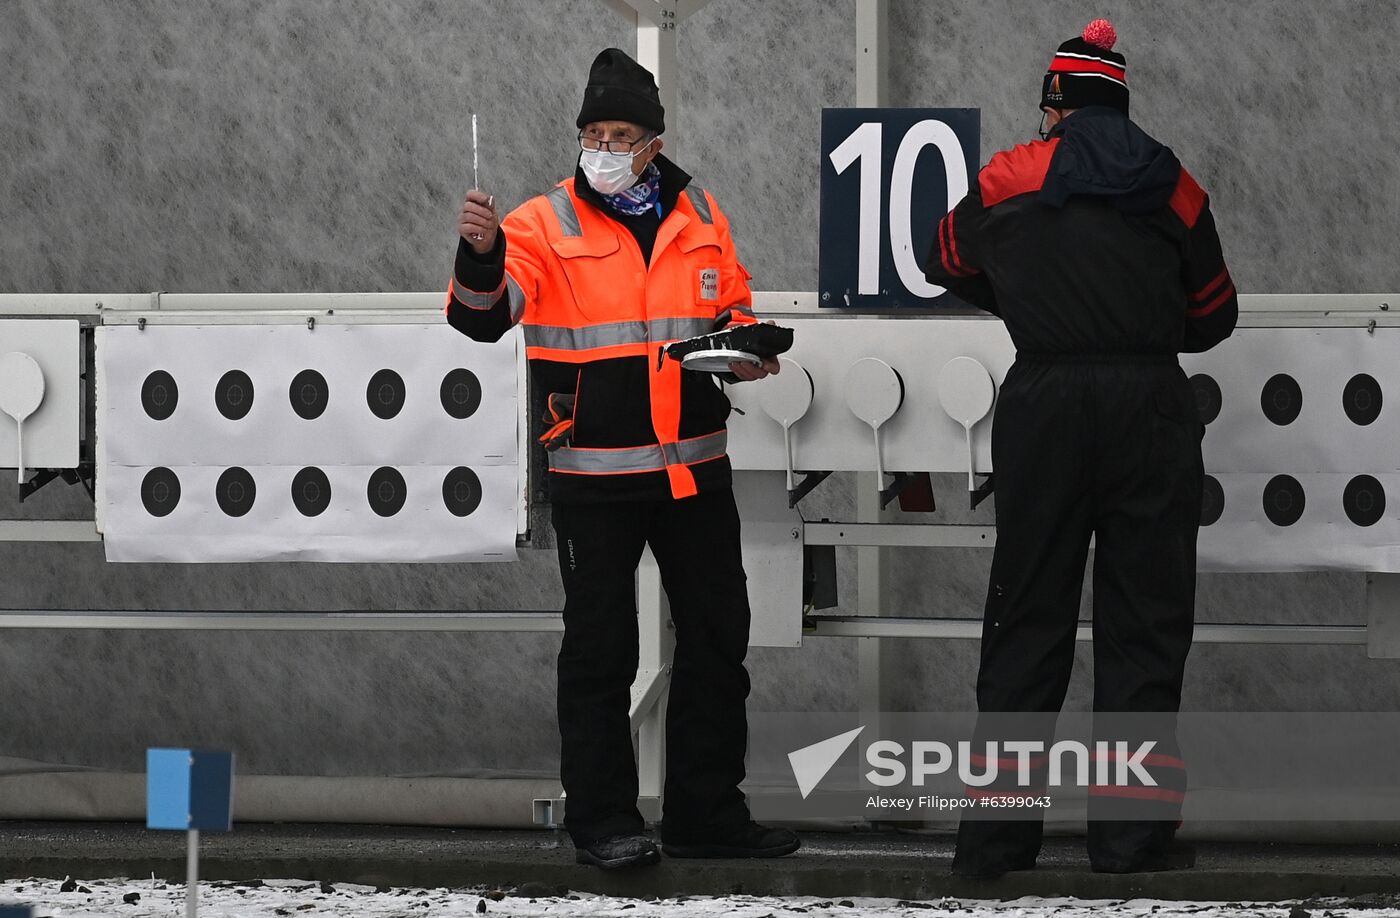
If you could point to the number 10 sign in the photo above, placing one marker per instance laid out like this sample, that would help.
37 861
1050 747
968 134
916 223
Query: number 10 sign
888 176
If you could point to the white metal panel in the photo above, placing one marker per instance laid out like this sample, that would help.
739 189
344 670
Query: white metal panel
919 438
52 432
772 546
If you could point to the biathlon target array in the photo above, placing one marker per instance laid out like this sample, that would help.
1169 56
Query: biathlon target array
308 396
1283 498
347 442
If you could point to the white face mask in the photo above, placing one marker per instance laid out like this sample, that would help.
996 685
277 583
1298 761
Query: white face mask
610 173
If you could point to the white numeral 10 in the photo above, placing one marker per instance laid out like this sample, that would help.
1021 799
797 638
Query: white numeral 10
865 143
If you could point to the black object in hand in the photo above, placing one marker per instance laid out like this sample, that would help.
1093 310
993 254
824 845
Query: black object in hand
764 341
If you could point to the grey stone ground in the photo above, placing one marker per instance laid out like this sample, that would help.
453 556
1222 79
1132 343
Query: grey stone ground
829 865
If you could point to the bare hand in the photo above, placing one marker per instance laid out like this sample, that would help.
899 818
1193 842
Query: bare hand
747 372
478 221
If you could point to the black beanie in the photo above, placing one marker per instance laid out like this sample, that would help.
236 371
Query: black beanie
620 89
1087 71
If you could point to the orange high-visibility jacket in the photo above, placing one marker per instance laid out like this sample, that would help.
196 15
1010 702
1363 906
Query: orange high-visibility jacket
595 318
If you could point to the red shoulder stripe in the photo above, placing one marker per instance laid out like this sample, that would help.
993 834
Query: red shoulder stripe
1205 292
1019 170
953 243
1188 199
1200 312
943 243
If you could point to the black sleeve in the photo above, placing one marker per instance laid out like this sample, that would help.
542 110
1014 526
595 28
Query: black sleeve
955 261
1213 305
480 276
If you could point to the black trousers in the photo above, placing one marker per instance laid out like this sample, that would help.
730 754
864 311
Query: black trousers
696 545
1110 450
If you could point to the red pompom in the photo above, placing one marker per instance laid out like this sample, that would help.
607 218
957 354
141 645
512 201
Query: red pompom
1101 34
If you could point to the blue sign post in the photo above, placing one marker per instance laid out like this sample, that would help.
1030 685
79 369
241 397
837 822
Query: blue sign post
888 176
189 790
16 911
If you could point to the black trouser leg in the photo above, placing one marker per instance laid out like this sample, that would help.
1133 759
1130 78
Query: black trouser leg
599 548
696 544
1144 604
1043 505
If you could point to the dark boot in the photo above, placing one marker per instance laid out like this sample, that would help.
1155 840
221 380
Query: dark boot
748 840
617 851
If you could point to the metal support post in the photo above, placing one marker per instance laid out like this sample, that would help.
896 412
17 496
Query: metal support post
1383 616
871 91
192 875
657 637
872 53
656 22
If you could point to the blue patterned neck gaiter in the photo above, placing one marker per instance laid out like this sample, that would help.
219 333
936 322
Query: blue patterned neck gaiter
641 197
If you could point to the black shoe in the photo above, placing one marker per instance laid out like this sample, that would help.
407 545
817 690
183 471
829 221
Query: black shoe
617 851
1180 856
748 840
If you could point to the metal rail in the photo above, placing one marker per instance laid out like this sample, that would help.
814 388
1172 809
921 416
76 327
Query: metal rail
866 626
190 620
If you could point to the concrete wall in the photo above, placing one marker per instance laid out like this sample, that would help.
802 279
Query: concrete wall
301 145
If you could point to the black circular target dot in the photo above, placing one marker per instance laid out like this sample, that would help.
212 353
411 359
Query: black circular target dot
1212 500
1364 500
160 491
385 394
387 491
309 394
233 396
1282 399
236 491
1284 500
1208 398
461 393
461 491
159 395
311 491
1361 399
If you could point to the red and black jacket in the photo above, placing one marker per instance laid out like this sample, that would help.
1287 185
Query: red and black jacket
1095 241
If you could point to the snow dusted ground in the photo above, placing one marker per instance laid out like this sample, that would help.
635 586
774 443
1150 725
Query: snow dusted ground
278 898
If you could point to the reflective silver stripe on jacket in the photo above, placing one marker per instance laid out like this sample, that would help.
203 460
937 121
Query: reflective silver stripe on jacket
475 299
638 458
700 203
516 296
562 337
558 197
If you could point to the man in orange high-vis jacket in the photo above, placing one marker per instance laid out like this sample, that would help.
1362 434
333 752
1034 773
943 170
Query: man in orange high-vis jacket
602 272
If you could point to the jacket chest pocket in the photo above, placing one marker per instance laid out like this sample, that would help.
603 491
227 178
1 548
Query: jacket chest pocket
604 288
703 262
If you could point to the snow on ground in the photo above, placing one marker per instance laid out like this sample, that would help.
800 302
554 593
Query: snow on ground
280 898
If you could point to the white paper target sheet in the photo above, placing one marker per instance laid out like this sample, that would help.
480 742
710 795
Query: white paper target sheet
357 443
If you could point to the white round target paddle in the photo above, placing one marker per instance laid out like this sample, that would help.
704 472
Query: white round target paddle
717 360
21 392
966 391
786 398
874 392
